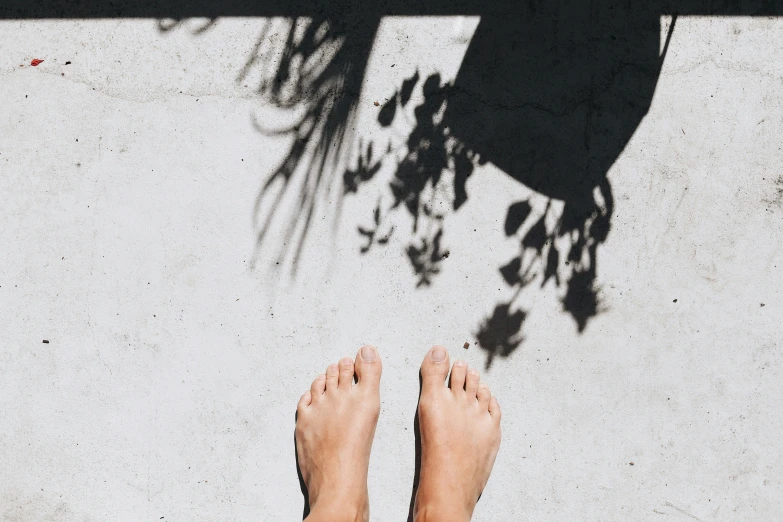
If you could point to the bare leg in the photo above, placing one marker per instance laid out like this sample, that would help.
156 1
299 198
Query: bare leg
334 431
460 437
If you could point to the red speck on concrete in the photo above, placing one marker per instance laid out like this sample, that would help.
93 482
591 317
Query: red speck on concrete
35 62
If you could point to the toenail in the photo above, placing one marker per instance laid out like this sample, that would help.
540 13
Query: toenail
332 368
368 354
473 373
460 363
346 361
438 355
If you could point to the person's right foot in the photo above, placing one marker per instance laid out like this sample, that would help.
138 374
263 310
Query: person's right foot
460 437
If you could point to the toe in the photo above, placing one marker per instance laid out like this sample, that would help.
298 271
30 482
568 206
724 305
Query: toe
472 383
345 379
494 409
332 375
434 367
318 387
304 401
368 368
457 381
484 395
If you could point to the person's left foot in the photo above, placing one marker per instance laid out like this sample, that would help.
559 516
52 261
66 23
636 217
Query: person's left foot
335 427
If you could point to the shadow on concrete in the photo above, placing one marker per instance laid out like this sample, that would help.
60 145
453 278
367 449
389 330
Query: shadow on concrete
549 92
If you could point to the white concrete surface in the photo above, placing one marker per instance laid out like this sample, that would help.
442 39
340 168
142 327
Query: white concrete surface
169 383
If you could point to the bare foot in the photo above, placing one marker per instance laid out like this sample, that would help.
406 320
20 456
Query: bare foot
460 437
334 430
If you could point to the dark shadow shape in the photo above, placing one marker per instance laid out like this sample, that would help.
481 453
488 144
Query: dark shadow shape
551 94
417 458
302 485
178 9
499 335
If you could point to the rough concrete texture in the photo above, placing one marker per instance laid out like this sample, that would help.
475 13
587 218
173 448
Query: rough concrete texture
177 348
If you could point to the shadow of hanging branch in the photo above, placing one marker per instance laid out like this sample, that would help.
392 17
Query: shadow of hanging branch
373 235
550 93
431 165
436 165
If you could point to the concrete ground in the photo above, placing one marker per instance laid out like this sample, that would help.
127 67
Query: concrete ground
131 160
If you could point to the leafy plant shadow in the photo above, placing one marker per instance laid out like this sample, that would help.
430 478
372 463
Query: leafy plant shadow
550 93
554 115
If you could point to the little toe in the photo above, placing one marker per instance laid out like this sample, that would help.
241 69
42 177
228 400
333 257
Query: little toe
494 408
304 401
345 380
457 380
368 368
484 395
472 383
332 375
318 387
434 368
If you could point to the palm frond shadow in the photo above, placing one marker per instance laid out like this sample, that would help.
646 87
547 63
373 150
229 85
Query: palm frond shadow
314 68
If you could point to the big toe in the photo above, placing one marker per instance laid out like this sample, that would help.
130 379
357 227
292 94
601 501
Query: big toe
435 367
368 368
